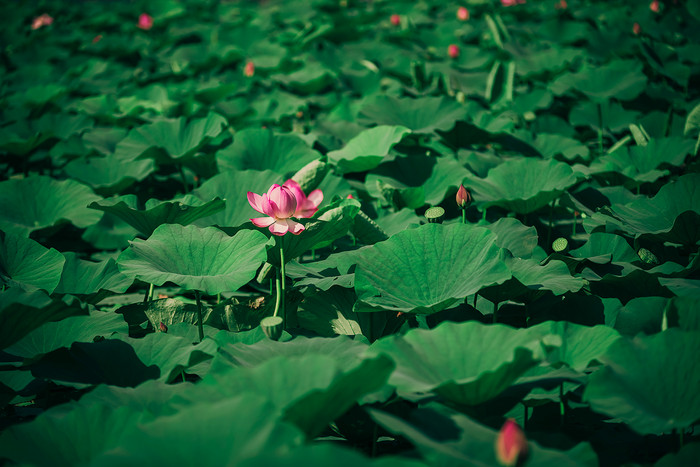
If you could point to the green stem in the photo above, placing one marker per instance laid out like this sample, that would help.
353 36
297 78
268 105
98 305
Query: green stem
218 298
483 216
200 324
464 216
573 229
282 280
495 312
278 294
562 407
182 373
475 295
149 294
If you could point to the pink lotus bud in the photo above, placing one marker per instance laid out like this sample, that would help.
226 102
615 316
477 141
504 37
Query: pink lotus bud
462 14
41 21
562 5
654 6
511 2
453 51
464 198
145 21
511 444
163 327
97 39
636 29
395 19
350 197
249 69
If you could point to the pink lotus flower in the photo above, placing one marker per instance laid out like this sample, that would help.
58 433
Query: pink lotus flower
453 51
145 21
249 69
395 19
280 204
654 6
562 5
462 14
306 206
636 29
511 2
41 21
511 444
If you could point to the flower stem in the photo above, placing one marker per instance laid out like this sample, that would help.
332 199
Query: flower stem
149 294
464 216
200 325
282 280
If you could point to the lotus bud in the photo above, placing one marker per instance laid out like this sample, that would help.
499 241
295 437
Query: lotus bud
249 69
163 327
272 327
654 6
462 14
636 29
464 198
435 215
511 444
395 19
560 244
145 21
453 51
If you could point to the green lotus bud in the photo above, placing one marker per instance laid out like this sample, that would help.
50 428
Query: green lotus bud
435 215
647 256
272 327
311 175
560 244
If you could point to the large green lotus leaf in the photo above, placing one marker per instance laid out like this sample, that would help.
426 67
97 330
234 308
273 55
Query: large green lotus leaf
157 213
640 163
22 137
688 288
312 389
233 187
580 345
642 315
650 383
37 202
312 78
447 438
686 312
612 116
323 455
109 175
107 361
466 363
205 259
81 277
341 348
260 149
170 353
420 115
54 335
515 237
225 433
522 185
26 263
168 311
438 266
155 99
553 145
328 224
553 276
21 312
49 440
687 455
329 313
621 79
178 138
673 214
366 150
603 248
550 59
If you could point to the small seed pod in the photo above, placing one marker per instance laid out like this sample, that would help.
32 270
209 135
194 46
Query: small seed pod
435 215
647 256
272 327
560 245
